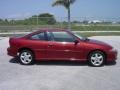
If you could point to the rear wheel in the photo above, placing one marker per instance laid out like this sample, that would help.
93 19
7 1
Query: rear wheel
96 58
26 57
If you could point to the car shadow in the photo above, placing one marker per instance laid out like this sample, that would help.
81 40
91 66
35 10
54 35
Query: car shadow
59 63
62 63
51 62
14 60
111 63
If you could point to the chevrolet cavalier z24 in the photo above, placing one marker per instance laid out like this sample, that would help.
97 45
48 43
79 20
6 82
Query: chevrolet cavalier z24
55 44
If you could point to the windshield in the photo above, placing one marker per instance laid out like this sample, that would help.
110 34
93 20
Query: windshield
80 37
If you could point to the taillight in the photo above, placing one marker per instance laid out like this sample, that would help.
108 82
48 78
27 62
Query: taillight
14 42
10 42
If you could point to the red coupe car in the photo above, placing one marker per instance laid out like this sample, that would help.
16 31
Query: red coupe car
55 44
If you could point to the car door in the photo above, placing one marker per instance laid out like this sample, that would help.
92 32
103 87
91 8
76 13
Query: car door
38 43
61 46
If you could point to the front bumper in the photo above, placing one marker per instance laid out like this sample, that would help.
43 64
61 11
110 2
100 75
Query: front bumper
112 55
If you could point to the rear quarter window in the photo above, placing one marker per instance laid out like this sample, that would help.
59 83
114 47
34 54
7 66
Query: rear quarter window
39 36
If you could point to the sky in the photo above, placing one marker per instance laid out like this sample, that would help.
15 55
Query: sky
81 8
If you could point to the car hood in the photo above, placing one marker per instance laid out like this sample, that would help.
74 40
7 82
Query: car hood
97 42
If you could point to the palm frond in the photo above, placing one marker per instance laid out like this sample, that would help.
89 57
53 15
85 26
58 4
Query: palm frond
65 3
58 2
72 1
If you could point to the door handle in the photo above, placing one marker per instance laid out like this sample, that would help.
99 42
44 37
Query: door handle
50 45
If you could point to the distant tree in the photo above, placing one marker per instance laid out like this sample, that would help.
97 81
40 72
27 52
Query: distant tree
64 22
47 18
32 20
1 20
44 18
6 22
85 22
118 22
76 21
12 22
66 4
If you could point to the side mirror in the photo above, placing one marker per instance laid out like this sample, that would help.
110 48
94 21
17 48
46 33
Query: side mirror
76 42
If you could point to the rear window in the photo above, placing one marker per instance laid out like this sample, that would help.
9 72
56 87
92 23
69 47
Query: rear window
40 36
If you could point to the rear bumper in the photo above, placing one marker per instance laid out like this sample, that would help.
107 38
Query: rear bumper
11 52
112 55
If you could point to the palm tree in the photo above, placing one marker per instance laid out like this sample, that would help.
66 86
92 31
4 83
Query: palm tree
66 4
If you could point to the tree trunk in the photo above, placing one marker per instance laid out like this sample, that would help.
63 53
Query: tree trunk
69 21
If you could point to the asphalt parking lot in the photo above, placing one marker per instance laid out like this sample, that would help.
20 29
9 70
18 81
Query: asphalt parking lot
59 75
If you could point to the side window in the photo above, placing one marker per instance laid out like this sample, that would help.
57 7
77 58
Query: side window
62 37
40 36
50 36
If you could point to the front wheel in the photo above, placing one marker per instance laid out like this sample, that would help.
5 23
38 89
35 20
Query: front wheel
26 57
96 58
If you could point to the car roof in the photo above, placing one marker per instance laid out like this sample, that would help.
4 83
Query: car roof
52 29
45 30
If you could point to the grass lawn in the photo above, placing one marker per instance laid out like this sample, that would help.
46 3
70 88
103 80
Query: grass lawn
74 27
99 34
98 27
87 34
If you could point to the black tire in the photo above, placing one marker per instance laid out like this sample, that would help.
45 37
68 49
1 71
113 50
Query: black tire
26 57
96 59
